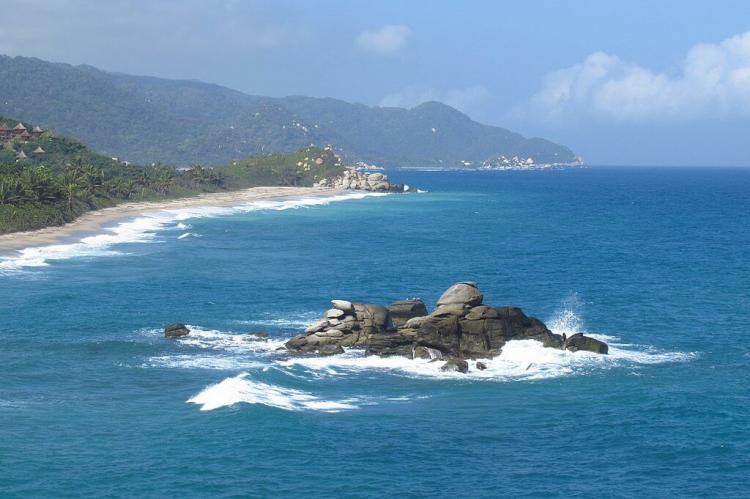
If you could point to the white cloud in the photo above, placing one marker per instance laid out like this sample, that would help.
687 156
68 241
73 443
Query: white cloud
468 99
712 81
387 40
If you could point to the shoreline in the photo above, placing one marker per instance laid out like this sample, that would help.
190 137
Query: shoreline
93 221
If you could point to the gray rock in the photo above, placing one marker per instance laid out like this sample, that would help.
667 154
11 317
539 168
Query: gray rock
344 305
580 342
450 309
317 326
427 353
464 293
481 366
456 365
457 329
334 313
176 330
414 322
403 310
329 349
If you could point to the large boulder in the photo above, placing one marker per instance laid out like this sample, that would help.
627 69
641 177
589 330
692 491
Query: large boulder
176 331
462 293
403 310
343 305
580 342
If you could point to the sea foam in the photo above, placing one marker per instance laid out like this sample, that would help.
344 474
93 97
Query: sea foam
519 359
243 389
144 229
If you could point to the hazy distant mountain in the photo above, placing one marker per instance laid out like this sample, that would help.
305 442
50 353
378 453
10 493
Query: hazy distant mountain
147 119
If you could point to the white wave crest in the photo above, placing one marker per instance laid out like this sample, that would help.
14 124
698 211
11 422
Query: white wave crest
519 360
143 229
139 230
216 362
188 234
242 343
242 389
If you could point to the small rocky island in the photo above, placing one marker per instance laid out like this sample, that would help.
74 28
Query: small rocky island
352 179
461 327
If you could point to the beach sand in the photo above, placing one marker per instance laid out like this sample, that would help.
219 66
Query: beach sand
93 221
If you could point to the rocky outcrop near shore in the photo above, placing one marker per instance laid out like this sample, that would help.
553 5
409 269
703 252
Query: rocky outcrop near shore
460 327
362 181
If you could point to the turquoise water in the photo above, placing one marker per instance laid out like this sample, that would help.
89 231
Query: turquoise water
94 402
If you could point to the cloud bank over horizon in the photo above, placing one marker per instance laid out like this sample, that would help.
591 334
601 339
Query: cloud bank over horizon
712 82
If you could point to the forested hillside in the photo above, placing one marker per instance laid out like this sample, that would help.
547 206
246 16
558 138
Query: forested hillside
146 119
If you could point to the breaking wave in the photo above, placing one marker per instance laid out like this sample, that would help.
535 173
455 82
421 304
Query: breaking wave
242 389
520 360
144 229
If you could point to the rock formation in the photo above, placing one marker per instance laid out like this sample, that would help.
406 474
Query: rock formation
356 180
176 330
460 327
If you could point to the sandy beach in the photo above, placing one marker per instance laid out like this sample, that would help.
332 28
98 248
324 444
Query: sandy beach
93 221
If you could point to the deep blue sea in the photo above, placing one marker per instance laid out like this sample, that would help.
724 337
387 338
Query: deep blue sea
95 402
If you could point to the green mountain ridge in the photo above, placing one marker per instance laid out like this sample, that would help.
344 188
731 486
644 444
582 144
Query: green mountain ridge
146 119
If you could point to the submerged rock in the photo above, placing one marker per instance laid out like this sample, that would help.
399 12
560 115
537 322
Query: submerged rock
460 327
176 330
580 342
456 365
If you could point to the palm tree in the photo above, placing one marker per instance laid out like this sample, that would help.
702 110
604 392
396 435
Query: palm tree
165 180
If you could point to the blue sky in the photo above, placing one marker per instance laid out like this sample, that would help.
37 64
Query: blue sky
619 82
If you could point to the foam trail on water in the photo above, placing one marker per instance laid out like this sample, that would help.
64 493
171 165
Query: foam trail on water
139 230
519 359
238 343
242 389
220 363
143 229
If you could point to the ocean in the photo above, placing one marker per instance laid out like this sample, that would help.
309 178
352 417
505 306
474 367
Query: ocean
94 401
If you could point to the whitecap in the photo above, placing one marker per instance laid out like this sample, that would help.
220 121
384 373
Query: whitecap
222 363
143 229
242 389
243 343
519 360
